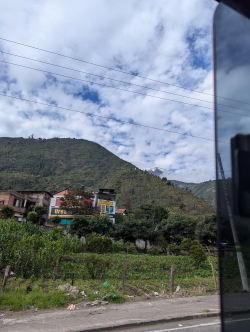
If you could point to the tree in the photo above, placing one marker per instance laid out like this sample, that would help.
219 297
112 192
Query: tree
119 218
77 201
155 213
80 226
101 225
56 220
206 230
56 233
186 244
99 244
161 242
41 210
83 225
7 212
132 229
197 253
128 204
32 217
174 249
177 227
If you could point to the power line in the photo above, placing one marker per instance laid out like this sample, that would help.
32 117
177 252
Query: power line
113 79
109 118
121 71
108 86
109 68
140 93
109 78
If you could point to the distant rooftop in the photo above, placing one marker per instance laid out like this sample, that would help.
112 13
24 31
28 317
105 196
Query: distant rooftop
120 211
107 191
35 192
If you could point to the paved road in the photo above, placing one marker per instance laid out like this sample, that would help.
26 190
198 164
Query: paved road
194 325
88 318
237 323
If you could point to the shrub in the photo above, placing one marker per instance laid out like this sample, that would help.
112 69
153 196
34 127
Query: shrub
115 297
56 233
118 247
97 266
197 253
32 216
174 249
99 244
30 250
186 244
154 251
56 220
7 212
161 242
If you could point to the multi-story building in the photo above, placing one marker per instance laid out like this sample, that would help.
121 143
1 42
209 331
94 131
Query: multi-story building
21 201
39 196
16 200
56 210
103 203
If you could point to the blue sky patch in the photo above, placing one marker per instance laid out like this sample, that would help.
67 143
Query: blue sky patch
88 94
198 56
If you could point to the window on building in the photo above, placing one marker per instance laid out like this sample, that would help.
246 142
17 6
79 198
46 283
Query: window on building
16 202
58 201
1 203
109 209
103 208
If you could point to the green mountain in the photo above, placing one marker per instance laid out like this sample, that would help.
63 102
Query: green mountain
54 164
184 185
205 189
139 187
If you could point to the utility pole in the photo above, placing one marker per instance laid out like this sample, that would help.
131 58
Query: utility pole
241 263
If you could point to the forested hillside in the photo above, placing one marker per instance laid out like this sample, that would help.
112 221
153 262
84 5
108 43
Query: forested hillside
205 189
137 187
53 164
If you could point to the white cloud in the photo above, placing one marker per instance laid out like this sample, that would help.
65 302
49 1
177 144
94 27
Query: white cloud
167 41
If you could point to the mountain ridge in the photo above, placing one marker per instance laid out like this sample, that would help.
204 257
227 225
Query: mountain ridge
57 163
205 189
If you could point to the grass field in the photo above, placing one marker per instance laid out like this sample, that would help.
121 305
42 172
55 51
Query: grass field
45 295
144 275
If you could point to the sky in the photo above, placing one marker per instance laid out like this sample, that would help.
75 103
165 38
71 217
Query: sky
133 76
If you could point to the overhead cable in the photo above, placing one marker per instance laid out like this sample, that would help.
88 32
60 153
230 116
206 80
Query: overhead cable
135 92
109 68
109 118
109 78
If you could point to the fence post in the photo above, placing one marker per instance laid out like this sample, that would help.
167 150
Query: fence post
214 276
5 277
212 267
56 268
172 279
72 278
124 277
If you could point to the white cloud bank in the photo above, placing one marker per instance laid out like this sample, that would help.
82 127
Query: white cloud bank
166 40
